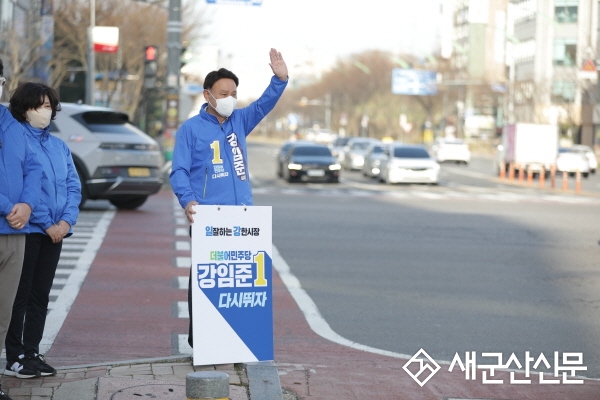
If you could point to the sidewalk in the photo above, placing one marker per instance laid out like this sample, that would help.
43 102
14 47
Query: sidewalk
151 378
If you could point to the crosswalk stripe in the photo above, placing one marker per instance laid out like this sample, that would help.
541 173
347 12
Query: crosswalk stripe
467 193
183 262
182 310
182 245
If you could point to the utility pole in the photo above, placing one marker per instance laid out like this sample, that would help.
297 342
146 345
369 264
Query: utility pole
91 59
173 64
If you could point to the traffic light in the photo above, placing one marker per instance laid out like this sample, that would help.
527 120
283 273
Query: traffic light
150 66
151 53
184 57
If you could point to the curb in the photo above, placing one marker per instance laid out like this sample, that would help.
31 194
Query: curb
263 381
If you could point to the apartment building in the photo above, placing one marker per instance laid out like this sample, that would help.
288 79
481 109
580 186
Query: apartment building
528 56
553 40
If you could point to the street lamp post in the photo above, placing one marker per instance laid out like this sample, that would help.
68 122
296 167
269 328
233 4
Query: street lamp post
91 57
173 63
317 102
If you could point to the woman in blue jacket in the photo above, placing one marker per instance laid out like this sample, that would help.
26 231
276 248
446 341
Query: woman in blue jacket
34 105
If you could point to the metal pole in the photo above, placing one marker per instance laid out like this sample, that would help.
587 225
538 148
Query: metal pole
328 111
173 62
91 59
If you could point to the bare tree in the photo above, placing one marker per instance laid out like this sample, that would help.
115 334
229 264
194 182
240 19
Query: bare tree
139 25
361 85
19 55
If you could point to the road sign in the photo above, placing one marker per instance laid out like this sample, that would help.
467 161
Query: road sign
414 82
105 39
589 66
236 2
588 70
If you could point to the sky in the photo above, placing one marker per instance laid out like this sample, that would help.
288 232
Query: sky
316 31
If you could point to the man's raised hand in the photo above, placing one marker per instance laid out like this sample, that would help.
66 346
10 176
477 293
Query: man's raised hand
278 65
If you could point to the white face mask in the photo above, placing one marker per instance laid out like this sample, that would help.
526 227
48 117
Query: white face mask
224 106
1 87
39 118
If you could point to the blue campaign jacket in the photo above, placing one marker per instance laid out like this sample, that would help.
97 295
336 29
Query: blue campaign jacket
61 188
20 171
210 161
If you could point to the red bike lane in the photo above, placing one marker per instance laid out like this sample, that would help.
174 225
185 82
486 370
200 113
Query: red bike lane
124 311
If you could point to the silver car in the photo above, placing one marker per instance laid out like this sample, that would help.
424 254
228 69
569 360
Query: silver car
374 156
115 160
354 152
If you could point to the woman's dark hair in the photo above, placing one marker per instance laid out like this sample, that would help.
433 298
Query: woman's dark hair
30 96
214 76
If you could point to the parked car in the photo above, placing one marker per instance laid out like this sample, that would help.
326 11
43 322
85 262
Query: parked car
409 164
354 152
454 150
373 157
310 162
282 153
324 136
571 161
337 147
589 153
115 160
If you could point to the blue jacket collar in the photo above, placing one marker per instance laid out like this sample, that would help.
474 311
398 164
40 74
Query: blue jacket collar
37 133
208 116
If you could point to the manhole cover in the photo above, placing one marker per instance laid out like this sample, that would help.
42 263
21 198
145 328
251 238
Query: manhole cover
134 389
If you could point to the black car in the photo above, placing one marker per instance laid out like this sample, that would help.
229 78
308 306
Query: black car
310 162
282 154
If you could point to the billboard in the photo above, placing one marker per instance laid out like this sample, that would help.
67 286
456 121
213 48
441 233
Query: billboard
414 82
105 39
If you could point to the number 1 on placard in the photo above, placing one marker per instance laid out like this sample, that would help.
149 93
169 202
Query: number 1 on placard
259 259
216 152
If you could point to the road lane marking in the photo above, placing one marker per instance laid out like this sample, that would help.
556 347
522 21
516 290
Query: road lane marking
183 262
467 193
182 309
182 232
183 346
470 174
312 314
182 282
59 309
182 245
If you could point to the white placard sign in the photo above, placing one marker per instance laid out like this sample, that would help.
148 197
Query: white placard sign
232 284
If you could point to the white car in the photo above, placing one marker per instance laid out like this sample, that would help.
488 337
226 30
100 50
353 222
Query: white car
409 164
589 153
451 150
572 161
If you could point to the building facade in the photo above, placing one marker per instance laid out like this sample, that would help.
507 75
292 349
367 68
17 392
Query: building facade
553 40
523 59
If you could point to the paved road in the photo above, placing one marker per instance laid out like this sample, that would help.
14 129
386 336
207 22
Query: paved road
466 266
449 269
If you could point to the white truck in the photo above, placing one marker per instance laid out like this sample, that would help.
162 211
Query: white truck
530 147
